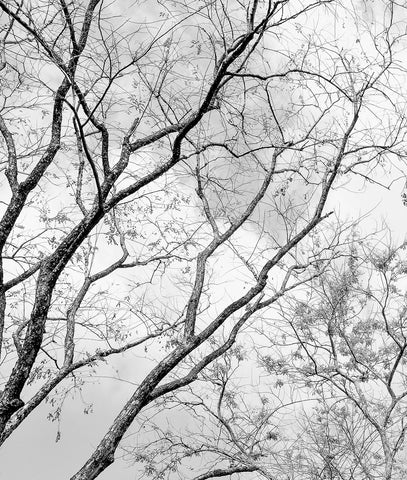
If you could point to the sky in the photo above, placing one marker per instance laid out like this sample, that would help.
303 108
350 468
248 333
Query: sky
33 452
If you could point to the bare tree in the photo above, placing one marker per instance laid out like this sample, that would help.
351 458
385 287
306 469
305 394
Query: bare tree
229 426
333 403
351 352
188 150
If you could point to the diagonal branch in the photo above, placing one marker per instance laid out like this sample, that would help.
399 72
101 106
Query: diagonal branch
11 171
225 472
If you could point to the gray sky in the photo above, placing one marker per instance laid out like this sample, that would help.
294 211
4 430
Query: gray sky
32 453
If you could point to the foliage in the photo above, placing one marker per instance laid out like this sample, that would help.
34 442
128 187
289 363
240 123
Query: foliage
166 174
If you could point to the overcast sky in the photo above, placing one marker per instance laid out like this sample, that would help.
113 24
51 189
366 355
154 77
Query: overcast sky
32 452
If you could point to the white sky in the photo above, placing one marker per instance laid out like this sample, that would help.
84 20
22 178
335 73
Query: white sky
32 453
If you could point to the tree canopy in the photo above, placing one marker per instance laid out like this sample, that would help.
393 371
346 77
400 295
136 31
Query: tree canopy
172 177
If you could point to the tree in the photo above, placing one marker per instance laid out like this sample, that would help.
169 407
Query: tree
333 403
351 342
194 145
230 426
